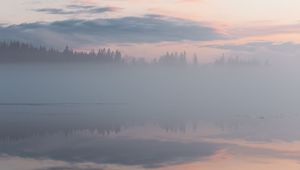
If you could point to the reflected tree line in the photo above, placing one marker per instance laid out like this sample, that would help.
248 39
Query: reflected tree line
15 51
14 134
14 129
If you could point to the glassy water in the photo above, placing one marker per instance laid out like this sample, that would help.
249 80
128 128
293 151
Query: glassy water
108 120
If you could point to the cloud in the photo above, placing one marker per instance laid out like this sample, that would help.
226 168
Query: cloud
259 46
263 29
145 29
54 11
81 6
77 9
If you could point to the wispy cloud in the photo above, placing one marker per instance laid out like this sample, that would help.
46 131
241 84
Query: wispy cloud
77 9
258 29
259 46
53 11
81 6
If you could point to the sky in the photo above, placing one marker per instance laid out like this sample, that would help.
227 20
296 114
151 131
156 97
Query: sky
142 28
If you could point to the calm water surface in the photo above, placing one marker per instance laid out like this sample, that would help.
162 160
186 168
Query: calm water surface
107 136
83 123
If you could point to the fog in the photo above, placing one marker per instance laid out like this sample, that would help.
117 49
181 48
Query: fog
160 93
189 89
102 108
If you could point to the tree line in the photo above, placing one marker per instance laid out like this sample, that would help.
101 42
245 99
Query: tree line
15 51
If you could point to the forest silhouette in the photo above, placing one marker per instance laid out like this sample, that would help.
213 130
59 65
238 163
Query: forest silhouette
19 52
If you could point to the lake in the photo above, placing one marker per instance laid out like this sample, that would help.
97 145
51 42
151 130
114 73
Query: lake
61 117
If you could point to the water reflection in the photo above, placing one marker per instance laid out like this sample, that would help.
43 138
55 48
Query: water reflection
112 136
110 150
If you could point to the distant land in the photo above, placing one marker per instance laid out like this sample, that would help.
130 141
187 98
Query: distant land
19 52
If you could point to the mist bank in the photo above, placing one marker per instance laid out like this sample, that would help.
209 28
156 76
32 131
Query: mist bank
149 90
38 99
167 85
